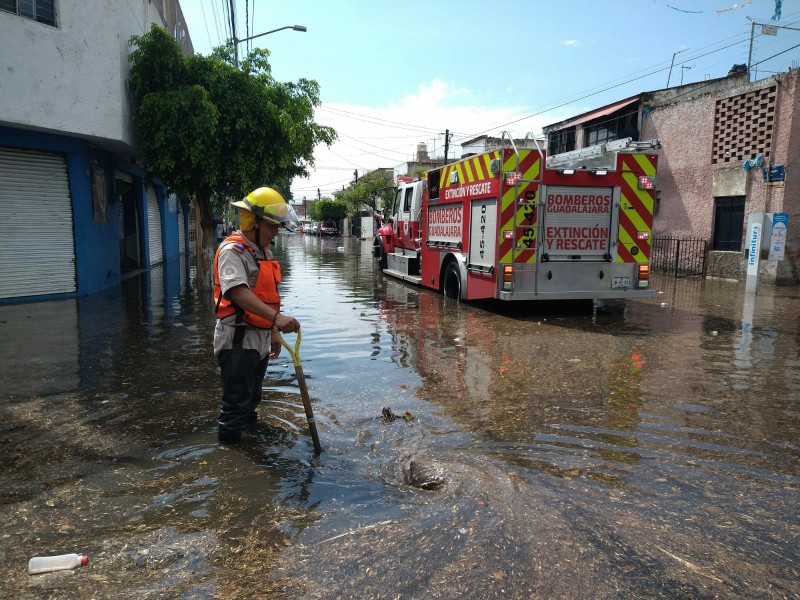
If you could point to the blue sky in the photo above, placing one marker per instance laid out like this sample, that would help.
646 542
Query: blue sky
393 74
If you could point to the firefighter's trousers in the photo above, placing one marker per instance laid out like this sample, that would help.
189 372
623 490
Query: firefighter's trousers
242 374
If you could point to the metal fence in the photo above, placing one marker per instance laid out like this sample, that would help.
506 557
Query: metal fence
681 257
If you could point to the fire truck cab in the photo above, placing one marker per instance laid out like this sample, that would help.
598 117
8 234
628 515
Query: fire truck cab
515 224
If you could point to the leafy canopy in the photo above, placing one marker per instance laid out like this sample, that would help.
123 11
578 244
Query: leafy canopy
369 191
211 129
328 210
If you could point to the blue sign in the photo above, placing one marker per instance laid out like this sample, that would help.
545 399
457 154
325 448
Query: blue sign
774 173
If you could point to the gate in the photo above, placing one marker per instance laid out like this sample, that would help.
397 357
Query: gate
681 257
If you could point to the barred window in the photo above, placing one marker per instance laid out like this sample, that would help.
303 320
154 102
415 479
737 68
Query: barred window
43 11
728 223
561 141
615 128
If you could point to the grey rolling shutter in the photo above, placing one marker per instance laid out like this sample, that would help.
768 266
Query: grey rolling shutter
36 225
181 230
154 227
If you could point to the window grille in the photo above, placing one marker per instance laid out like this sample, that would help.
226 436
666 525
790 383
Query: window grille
43 11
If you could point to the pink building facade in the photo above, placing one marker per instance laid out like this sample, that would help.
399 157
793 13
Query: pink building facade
717 138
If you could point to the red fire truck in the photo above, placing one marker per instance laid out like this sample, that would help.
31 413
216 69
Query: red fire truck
515 224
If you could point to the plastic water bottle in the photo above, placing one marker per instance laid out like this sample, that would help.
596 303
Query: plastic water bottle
44 564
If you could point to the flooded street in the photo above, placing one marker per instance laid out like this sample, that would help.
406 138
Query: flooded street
646 449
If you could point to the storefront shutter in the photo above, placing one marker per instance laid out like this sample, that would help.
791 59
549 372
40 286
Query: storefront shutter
154 227
36 225
181 229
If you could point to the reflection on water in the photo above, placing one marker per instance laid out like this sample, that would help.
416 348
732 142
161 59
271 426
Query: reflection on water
641 449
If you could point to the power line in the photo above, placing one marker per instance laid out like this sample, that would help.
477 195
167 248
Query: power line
205 21
588 95
214 11
378 120
692 91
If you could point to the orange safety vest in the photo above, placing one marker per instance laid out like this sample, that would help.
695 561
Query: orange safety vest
266 288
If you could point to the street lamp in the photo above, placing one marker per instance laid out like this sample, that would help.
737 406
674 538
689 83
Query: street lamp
672 63
237 41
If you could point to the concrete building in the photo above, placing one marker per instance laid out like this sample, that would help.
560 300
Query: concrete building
485 143
76 211
422 163
718 137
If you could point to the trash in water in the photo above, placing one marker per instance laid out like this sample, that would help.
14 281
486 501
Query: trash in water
389 415
61 562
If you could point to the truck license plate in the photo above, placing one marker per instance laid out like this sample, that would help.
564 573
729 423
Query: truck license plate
620 282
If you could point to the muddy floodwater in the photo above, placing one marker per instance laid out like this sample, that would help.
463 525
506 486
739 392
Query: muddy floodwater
646 449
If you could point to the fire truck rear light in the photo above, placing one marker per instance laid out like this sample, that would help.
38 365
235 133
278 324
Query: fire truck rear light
513 178
600 172
508 235
644 272
646 182
568 171
642 235
508 273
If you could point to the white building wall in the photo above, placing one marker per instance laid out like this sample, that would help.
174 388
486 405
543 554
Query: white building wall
73 78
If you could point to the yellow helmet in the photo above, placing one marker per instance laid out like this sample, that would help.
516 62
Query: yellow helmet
266 203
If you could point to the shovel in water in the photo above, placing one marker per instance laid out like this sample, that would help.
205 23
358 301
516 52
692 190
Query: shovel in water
301 381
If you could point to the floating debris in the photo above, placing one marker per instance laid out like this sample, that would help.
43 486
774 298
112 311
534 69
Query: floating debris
389 415
423 476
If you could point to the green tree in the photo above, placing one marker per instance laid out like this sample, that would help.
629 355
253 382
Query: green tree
215 131
330 210
313 211
370 189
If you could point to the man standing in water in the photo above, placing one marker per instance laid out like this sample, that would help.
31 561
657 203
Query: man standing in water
247 302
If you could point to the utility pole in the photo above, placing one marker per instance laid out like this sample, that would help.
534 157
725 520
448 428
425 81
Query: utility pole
750 53
446 143
233 33
766 29
684 68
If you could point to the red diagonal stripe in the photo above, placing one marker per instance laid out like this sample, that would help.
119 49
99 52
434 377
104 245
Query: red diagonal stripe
644 245
508 214
528 161
638 206
623 252
523 256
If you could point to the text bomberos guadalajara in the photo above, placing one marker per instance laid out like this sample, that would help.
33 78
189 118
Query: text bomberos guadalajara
445 222
578 203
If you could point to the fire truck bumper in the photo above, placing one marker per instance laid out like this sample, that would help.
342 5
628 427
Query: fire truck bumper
577 295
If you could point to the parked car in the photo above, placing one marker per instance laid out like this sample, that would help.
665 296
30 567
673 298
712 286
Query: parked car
329 228
310 228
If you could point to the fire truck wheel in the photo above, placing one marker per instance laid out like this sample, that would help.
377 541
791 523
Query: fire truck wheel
451 285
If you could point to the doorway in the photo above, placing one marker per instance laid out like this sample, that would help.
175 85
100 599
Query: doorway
130 252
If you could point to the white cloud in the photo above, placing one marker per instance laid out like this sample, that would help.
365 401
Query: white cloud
570 43
373 137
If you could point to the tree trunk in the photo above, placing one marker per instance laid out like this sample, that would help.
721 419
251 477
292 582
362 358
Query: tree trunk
206 240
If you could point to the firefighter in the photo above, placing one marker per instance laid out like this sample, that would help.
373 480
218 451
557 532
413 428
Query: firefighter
248 307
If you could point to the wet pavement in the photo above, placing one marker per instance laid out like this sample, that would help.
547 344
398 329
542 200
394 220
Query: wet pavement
646 449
